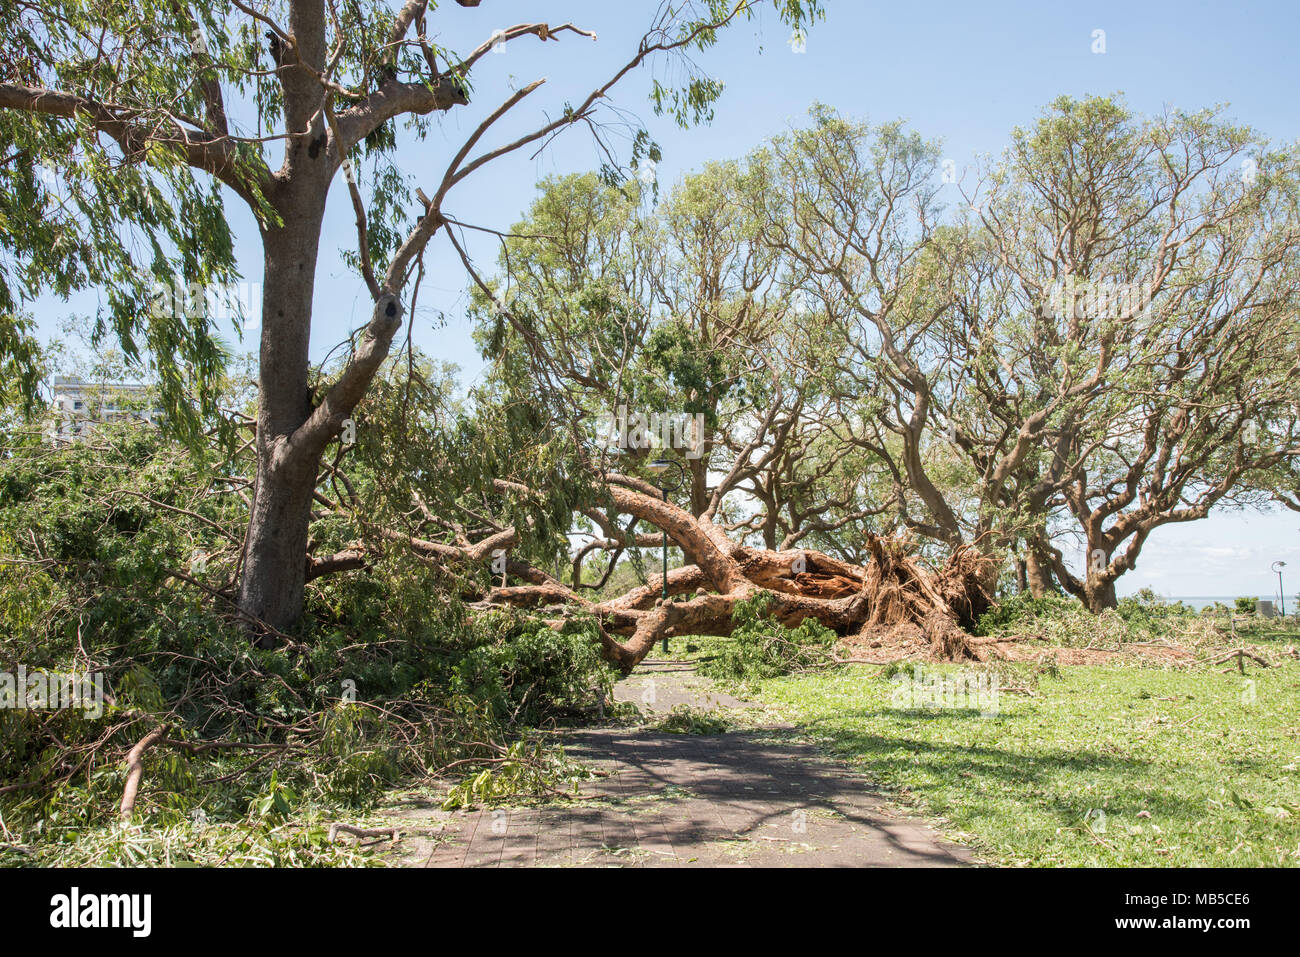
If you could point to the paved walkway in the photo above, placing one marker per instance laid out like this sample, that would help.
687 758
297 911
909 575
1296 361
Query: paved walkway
743 798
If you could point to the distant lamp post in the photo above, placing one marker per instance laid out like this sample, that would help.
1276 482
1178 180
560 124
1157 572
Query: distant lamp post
1277 567
667 471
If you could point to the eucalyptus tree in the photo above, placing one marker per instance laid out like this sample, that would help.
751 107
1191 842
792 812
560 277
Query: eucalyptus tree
154 113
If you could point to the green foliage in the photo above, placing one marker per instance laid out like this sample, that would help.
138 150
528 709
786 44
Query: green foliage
1021 610
77 213
526 769
685 719
693 101
674 353
146 112
529 673
1144 617
117 556
416 441
763 648
1065 621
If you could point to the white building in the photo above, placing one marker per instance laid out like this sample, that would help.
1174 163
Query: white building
79 405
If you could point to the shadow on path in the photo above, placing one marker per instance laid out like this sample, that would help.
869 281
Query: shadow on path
743 798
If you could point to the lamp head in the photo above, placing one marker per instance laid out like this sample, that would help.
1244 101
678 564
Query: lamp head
668 473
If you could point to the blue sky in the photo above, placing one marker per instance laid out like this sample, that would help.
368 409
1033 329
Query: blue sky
961 73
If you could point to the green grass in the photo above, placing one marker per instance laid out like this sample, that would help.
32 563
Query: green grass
1187 770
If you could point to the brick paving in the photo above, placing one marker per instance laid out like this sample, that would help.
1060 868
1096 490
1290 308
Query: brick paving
743 798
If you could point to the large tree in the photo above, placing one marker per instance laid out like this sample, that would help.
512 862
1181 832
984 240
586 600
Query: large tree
152 113
672 309
855 208
1143 276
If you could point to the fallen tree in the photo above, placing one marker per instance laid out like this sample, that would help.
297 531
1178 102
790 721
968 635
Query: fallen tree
892 590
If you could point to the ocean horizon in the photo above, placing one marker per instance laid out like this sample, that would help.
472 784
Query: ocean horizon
1201 601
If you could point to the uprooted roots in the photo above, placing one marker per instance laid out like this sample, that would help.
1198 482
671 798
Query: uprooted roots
942 604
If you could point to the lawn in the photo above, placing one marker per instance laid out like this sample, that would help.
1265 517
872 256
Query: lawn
1099 766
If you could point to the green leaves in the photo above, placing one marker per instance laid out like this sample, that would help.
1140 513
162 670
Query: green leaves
760 647
677 357
696 25
276 804
100 192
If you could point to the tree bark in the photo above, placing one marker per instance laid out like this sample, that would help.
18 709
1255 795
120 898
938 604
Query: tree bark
1099 594
891 589
275 548
1038 576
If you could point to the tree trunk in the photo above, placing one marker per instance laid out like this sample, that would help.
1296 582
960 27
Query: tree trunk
1038 576
1098 594
275 551
275 548
891 589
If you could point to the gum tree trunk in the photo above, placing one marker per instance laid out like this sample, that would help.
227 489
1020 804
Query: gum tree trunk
275 548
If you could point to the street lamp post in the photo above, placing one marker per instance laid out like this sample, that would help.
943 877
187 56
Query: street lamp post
1277 567
659 468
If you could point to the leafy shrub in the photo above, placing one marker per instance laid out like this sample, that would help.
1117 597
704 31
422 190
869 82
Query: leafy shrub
529 673
1063 620
1022 611
763 648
